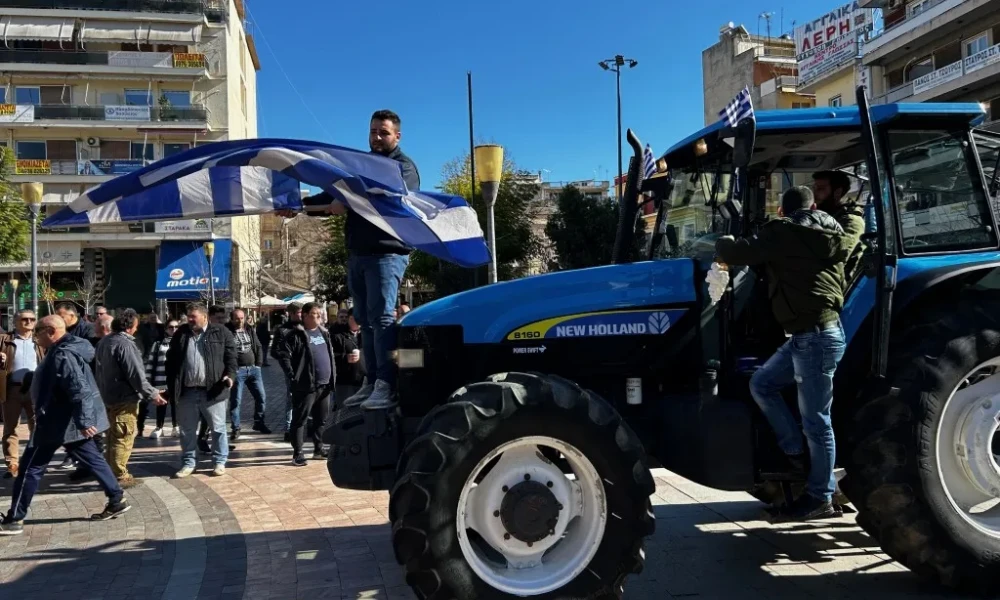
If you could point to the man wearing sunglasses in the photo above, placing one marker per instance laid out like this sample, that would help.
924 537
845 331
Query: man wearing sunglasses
20 354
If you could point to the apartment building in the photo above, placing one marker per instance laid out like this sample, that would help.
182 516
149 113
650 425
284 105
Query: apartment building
290 251
828 50
544 205
767 65
936 50
92 89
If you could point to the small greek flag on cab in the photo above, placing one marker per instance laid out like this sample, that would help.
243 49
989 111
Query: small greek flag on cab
741 107
648 163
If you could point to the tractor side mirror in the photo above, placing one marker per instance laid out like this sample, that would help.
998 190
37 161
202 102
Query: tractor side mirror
672 237
746 135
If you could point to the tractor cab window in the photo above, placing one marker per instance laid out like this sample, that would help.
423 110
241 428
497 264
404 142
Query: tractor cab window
940 199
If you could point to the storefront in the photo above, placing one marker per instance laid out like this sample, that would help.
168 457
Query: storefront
184 273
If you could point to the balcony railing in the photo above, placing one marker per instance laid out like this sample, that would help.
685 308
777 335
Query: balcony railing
155 60
917 14
215 10
160 114
946 74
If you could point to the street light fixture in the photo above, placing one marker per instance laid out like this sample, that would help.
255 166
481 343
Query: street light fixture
31 193
489 159
615 64
13 297
210 255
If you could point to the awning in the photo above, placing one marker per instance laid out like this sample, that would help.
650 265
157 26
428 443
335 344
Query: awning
128 32
45 29
184 271
176 33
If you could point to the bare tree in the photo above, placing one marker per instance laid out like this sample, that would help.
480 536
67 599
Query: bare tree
91 292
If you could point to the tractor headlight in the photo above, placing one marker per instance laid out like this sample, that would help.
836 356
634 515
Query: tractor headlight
409 358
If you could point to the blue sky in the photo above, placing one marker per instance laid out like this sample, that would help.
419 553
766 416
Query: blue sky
537 88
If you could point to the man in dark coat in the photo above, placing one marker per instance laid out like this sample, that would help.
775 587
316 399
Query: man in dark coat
70 413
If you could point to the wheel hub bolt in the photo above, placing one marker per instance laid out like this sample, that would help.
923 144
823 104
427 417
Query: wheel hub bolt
529 544
527 477
506 536
496 513
549 484
505 489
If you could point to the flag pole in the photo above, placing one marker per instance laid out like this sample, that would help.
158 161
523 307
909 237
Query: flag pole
472 164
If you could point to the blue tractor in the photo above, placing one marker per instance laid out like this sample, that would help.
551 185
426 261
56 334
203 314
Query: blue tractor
531 411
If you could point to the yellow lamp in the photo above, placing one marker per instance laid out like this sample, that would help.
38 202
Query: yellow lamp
209 250
31 193
489 163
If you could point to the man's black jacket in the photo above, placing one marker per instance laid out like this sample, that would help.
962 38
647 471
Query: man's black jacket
295 356
344 342
220 361
256 348
361 237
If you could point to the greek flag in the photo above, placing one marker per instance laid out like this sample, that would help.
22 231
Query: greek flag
648 163
251 177
740 108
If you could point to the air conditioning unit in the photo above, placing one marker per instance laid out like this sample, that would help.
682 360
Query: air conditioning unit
93 142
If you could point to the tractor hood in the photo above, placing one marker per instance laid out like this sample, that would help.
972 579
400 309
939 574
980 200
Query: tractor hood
489 313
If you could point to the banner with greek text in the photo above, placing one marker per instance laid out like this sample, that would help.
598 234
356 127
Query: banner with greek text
17 113
126 113
33 167
189 60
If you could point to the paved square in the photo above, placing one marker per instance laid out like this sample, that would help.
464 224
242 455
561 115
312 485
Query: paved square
272 530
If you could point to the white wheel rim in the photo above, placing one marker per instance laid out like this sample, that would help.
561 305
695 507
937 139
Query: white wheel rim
552 562
967 467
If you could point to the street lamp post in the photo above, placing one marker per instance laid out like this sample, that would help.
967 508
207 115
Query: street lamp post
210 255
13 299
490 160
31 193
615 64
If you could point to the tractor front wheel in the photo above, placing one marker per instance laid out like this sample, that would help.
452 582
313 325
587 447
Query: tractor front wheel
521 486
921 466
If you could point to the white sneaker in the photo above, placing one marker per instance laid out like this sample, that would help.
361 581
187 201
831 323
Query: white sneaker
381 397
366 390
176 432
184 472
219 471
156 433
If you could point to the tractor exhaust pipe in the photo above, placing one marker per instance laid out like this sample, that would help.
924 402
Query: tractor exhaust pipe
628 207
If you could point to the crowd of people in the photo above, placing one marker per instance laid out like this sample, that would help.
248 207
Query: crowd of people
88 385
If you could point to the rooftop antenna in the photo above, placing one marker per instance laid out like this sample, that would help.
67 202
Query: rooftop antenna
767 16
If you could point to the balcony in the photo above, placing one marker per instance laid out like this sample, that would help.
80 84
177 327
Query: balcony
111 62
214 10
110 116
938 84
925 24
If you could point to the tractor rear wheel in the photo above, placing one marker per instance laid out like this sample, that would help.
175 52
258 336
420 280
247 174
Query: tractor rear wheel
522 486
921 465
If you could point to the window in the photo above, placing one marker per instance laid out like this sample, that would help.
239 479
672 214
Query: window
977 44
243 97
61 149
268 244
941 205
3 95
176 97
114 150
55 94
27 95
836 101
920 68
31 151
172 149
138 98
142 151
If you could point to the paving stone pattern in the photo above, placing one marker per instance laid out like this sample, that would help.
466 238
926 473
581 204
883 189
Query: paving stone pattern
270 530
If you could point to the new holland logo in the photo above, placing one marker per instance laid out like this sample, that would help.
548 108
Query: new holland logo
659 322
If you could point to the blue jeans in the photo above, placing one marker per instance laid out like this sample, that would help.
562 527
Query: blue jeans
253 379
374 285
808 360
192 403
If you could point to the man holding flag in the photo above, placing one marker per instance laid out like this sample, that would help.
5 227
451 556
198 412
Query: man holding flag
375 266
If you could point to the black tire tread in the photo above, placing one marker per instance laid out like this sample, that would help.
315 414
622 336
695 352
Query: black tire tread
893 430
450 425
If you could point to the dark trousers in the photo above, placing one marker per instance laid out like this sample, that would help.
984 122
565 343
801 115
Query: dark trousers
36 460
315 404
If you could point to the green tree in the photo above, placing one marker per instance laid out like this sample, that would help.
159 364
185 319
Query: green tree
333 263
14 227
583 230
517 244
